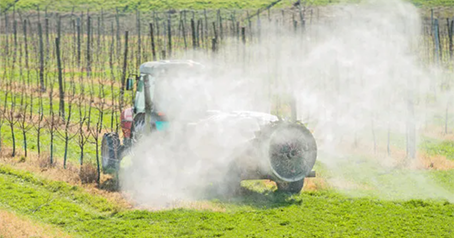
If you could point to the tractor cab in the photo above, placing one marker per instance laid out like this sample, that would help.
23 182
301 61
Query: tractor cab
154 100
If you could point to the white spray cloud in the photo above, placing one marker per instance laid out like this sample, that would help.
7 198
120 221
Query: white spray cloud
358 70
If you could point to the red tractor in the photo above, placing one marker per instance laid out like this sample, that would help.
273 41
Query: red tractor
282 151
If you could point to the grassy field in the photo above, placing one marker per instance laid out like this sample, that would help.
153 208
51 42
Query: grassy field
356 193
253 214
441 147
147 5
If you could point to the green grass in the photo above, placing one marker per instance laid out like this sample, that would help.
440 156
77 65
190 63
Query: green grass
361 176
444 178
267 214
438 147
147 5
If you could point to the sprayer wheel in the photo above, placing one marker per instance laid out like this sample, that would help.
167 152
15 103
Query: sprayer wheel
290 187
110 152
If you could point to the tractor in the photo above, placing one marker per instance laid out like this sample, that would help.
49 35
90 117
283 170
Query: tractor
283 151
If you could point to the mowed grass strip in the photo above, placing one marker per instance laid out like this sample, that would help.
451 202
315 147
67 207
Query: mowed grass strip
315 214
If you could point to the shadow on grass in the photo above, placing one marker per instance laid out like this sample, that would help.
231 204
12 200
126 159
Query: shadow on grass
266 199
256 196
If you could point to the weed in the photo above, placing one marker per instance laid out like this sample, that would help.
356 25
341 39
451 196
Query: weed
22 159
44 161
88 173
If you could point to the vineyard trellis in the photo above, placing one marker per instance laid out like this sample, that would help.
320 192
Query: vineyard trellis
87 56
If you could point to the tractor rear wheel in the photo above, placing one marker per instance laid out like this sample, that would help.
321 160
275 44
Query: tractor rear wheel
290 187
110 153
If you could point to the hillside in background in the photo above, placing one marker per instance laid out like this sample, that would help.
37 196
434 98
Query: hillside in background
147 5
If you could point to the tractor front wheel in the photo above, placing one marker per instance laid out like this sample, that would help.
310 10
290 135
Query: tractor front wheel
290 187
110 153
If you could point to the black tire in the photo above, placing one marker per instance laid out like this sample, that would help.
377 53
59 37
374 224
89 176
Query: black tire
110 153
290 187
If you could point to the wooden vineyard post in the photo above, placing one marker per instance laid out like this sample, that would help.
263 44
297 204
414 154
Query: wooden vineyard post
197 33
259 26
117 20
46 26
183 29
123 78
26 52
437 52
163 52
99 50
269 14
194 44
238 31
232 22
243 35
112 77
6 34
41 58
153 46
206 27
169 35
157 36
440 45
183 34
221 31
59 26
201 35
249 22
88 46
213 45
78 43
61 111
139 50
15 39
431 20
215 31
301 18
450 33
243 40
